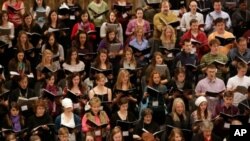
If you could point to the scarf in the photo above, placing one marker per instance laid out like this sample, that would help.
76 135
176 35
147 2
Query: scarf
16 123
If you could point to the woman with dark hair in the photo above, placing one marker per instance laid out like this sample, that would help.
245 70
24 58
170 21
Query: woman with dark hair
84 25
72 63
112 23
40 12
43 119
55 47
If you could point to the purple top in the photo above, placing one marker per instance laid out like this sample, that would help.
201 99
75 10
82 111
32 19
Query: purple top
133 23
205 85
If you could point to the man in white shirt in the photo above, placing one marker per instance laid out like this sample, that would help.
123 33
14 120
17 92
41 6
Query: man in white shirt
240 79
193 14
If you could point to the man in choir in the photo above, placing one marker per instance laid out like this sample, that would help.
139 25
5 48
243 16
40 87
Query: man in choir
239 83
241 19
217 13
167 15
240 51
210 83
193 14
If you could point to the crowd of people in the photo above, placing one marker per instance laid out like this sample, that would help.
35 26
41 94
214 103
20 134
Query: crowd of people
170 70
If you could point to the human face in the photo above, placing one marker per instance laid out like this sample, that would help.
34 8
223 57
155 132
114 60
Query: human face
103 57
82 38
158 60
51 40
156 78
112 17
168 32
243 6
195 26
89 138
73 55
165 8
228 101
117 136
187 47
203 106
179 108
207 133
51 81
147 118
128 55
139 33
242 46
14 112
20 56
23 38
95 108
84 17
101 82
39 2
5 17
64 137
53 17
48 57
242 72
193 6
23 83
217 6
211 73
220 27
40 111
125 78
177 137
181 77
214 49
111 36
28 20
76 80
124 107
139 14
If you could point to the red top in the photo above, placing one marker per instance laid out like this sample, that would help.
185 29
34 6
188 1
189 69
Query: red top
86 27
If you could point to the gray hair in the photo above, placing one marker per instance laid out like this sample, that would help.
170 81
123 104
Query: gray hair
207 125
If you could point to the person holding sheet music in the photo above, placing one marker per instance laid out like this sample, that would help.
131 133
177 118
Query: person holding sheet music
123 114
56 48
43 119
211 87
33 30
102 92
213 56
220 33
179 118
186 57
146 124
54 104
72 63
168 38
200 114
179 87
96 121
40 12
244 108
15 9
154 96
193 14
166 14
116 134
15 120
122 85
222 125
112 23
86 26
138 22
241 51
217 13
241 19
128 60
69 120
239 80
140 43
201 46
102 62
6 37
207 134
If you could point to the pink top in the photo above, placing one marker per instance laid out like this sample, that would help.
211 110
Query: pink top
14 16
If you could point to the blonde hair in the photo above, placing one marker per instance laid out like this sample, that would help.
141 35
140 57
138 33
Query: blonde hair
163 34
174 114
120 77
114 131
94 100
46 52
175 131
